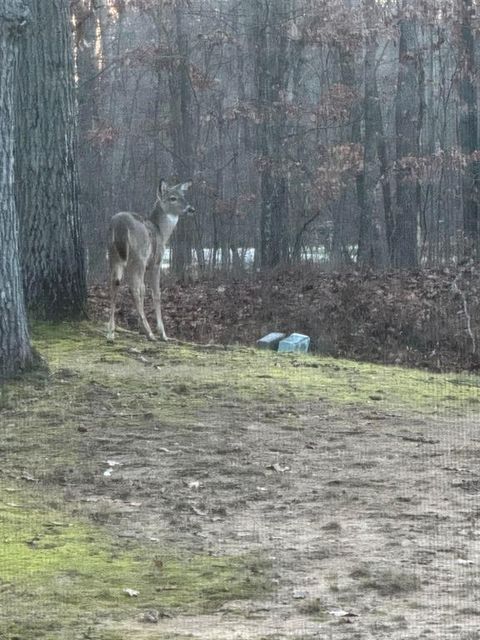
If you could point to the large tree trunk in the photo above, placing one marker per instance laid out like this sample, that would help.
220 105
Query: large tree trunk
47 193
468 132
15 352
271 84
408 120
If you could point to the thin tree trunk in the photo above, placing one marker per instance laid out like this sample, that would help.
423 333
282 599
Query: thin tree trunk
408 112
382 151
91 197
371 244
468 133
340 215
182 139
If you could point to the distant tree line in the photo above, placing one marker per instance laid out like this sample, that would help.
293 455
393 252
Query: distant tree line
344 130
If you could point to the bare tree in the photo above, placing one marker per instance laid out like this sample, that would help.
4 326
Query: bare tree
270 41
371 243
468 129
182 134
408 122
92 178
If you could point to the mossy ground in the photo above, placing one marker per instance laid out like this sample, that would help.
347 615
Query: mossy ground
244 374
61 575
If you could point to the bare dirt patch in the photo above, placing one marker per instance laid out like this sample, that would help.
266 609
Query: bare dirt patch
369 522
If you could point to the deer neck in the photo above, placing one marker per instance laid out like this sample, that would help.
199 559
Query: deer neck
163 222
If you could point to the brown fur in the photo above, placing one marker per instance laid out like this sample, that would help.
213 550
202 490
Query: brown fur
136 249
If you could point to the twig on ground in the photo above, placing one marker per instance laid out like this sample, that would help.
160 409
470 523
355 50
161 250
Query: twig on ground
198 345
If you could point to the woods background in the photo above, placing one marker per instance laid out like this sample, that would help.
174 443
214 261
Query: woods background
337 131
340 133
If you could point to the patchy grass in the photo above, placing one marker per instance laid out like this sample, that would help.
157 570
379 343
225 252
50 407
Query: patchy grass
60 575
195 375
386 581
315 608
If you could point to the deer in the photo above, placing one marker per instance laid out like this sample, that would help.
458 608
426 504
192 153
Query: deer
136 248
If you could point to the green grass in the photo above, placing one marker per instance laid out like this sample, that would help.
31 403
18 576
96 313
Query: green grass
60 575
196 376
129 383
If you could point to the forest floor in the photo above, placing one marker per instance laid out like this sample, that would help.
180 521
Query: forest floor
174 491
429 318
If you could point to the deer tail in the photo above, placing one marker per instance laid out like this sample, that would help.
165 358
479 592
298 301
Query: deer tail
118 252
120 241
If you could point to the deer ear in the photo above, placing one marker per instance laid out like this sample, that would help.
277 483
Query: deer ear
185 186
162 189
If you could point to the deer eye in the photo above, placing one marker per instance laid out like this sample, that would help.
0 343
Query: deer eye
173 198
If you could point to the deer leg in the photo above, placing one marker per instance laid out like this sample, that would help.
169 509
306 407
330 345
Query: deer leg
137 287
116 275
155 286
114 287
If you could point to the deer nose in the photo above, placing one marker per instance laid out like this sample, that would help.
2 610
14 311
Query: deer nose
190 210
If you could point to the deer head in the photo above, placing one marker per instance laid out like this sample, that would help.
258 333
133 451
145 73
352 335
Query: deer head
172 199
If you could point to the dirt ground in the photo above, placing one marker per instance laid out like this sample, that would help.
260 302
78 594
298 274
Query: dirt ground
364 513
369 520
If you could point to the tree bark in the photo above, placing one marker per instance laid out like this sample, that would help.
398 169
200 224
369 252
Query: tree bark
408 120
371 243
271 84
182 139
354 134
15 351
468 132
92 201
46 189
